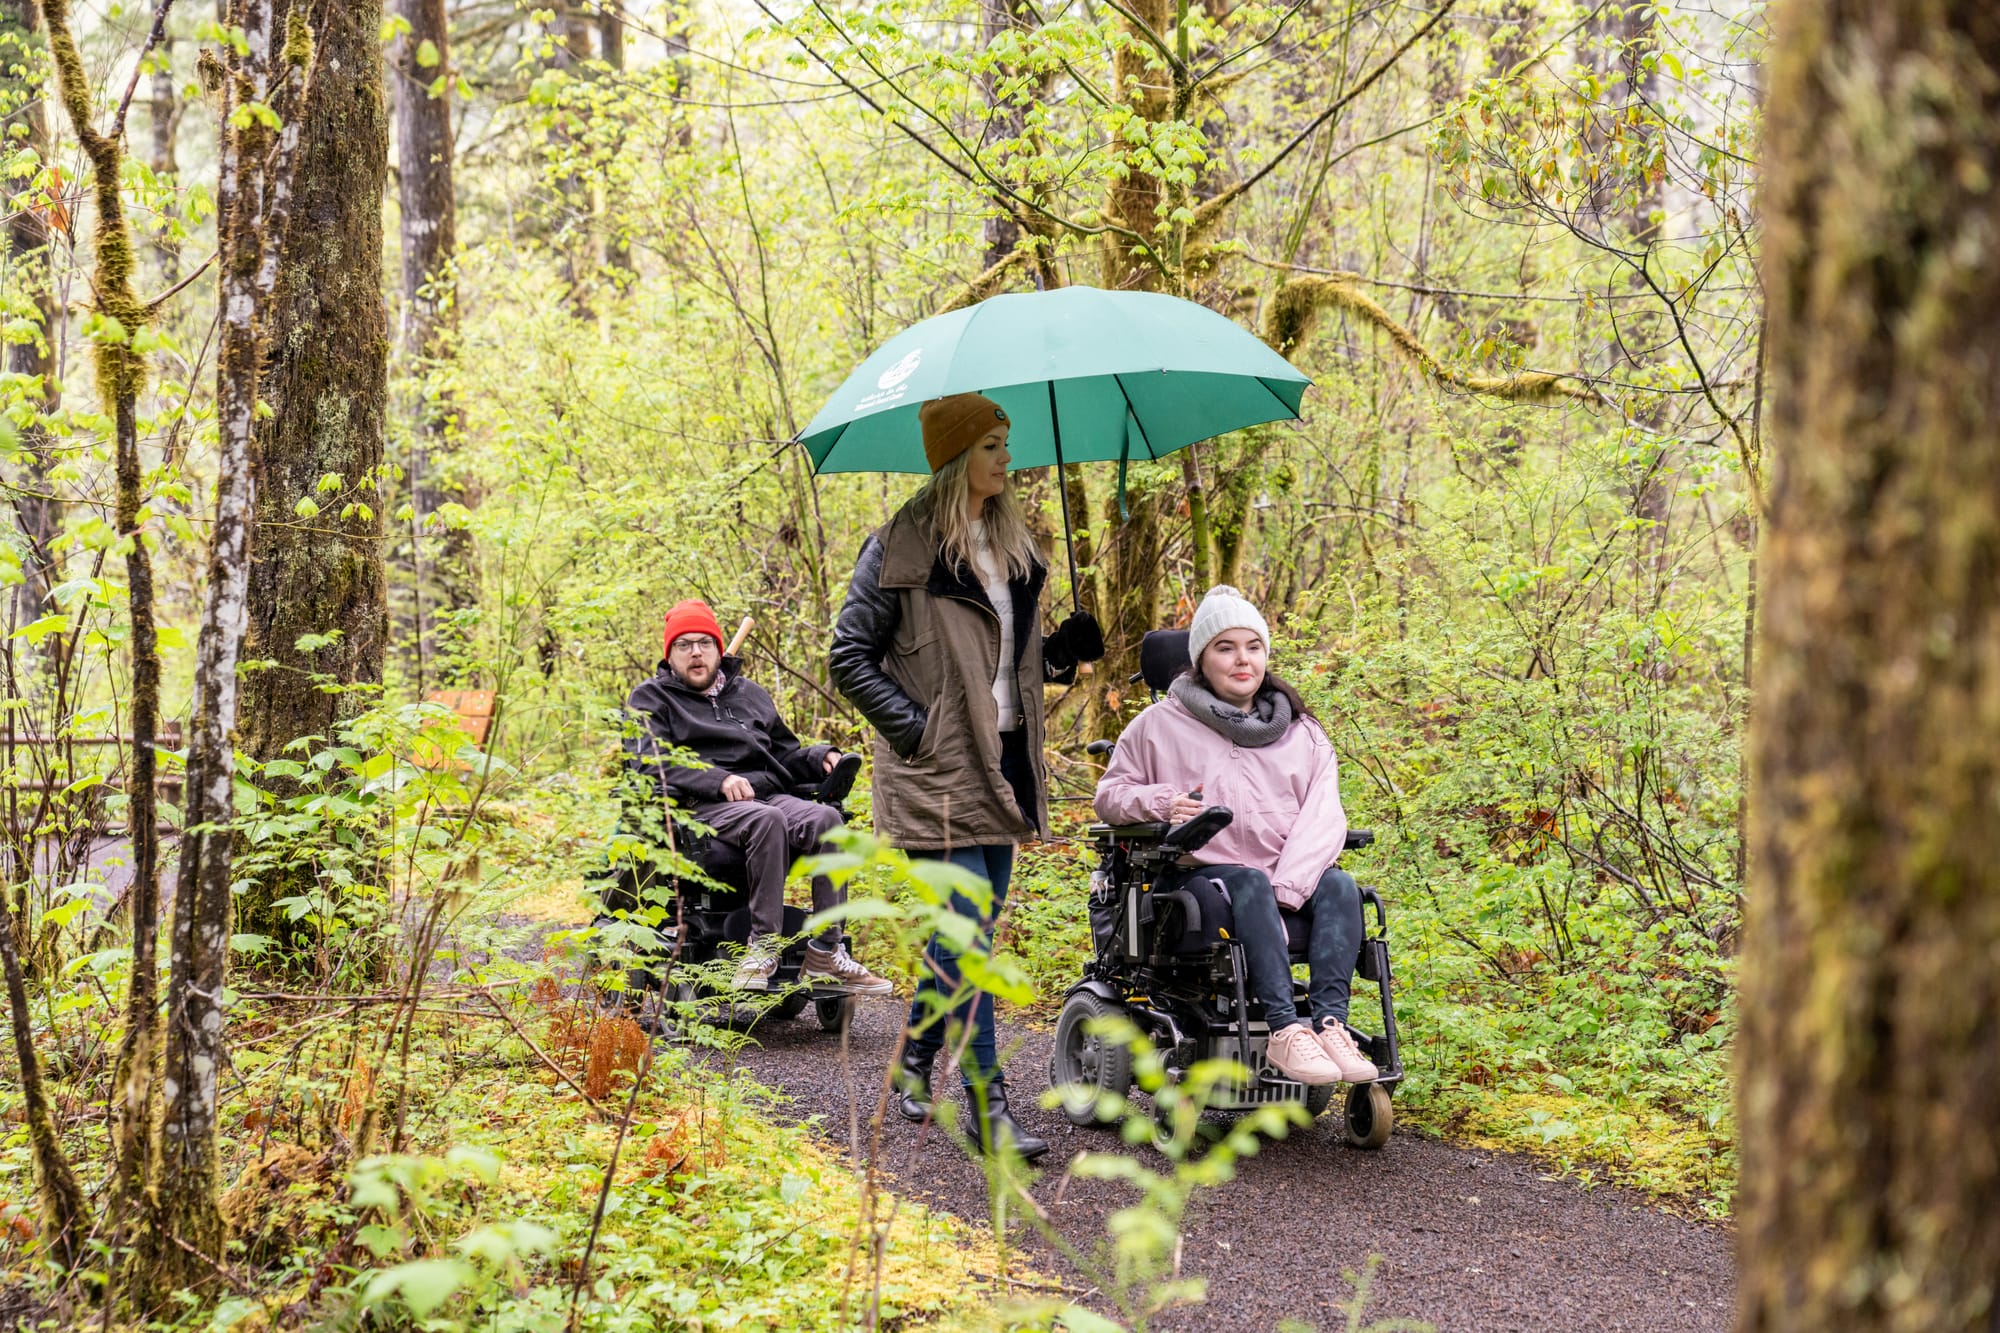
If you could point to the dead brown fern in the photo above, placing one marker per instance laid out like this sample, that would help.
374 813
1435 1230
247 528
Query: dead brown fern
616 1044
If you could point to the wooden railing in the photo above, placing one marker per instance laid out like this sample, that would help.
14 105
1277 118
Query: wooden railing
26 798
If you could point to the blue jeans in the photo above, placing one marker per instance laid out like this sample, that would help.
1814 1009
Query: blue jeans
1333 939
993 862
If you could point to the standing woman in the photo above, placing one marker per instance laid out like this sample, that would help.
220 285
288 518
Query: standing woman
940 647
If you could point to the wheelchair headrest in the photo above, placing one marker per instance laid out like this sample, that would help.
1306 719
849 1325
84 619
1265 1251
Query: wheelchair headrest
1163 654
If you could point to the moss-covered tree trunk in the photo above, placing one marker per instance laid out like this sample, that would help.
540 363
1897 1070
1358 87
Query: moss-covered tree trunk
64 1209
326 382
121 373
1869 1061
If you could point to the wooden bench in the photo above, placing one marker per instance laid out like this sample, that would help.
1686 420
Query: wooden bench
475 711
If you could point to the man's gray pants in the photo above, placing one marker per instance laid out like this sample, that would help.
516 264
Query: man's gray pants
772 833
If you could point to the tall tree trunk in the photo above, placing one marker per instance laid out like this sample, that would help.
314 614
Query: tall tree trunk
1868 1065
121 373
996 19
326 380
430 308
163 108
36 509
572 54
1134 545
617 245
254 205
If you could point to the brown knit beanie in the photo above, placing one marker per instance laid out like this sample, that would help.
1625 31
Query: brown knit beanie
953 425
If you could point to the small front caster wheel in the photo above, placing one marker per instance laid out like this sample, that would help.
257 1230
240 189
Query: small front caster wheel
835 1012
1369 1115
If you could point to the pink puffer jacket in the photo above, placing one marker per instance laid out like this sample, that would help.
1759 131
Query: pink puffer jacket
1286 796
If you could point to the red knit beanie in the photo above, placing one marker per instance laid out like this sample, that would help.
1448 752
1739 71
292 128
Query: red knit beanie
692 617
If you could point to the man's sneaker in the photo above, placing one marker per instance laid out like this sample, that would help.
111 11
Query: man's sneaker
1296 1053
760 962
836 967
1339 1046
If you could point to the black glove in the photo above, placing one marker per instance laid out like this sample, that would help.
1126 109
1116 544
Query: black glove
1081 638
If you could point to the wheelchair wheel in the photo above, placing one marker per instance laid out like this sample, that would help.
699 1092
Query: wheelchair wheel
835 1012
1083 1064
791 1005
1369 1115
1319 1096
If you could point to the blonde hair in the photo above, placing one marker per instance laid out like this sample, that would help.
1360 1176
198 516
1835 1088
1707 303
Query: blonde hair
943 499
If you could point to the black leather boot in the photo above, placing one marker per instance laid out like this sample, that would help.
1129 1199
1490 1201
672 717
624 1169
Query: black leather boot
913 1082
998 1126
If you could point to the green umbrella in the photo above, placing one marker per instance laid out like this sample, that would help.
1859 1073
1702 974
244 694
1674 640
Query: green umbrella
1085 375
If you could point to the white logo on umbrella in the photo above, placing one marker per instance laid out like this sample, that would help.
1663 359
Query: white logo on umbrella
901 371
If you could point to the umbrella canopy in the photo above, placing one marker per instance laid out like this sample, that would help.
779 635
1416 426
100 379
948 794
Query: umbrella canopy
1085 375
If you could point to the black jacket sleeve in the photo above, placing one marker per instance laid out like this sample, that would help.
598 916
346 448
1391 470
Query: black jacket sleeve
861 637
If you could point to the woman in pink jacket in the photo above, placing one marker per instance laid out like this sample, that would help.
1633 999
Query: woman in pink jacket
1230 733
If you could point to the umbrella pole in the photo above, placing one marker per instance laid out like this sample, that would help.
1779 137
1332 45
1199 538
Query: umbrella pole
1062 494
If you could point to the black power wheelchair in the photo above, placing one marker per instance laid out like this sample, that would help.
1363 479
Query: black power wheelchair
1166 963
704 922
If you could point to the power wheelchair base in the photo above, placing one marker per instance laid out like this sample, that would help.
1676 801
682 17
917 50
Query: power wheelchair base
705 926
1190 1000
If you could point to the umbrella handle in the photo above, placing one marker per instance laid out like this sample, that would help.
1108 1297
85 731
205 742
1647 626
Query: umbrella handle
1062 495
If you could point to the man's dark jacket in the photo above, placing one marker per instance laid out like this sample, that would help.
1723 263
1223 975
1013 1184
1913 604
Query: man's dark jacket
737 732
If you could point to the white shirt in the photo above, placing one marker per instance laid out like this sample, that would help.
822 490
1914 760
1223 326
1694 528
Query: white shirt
992 572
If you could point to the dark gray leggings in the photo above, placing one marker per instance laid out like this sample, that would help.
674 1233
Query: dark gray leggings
1333 941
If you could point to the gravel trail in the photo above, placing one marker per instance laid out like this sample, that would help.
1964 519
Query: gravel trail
1471 1241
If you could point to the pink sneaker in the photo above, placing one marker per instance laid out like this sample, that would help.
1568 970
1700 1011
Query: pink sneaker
1340 1049
1294 1052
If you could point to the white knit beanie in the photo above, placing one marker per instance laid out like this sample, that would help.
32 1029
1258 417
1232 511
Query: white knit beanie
1223 609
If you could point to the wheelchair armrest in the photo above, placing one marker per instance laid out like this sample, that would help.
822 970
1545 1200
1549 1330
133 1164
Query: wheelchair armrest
1196 832
1183 837
1359 837
833 788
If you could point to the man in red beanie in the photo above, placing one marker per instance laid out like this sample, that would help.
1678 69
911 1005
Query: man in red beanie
700 701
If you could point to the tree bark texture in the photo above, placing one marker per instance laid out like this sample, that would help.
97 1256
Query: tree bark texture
163 108
121 373
254 202
326 381
430 310
36 510
1869 1068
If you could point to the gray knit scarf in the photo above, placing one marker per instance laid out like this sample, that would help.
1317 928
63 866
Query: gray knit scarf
1269 716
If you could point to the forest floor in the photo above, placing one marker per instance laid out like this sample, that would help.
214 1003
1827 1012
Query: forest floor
1469 1240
